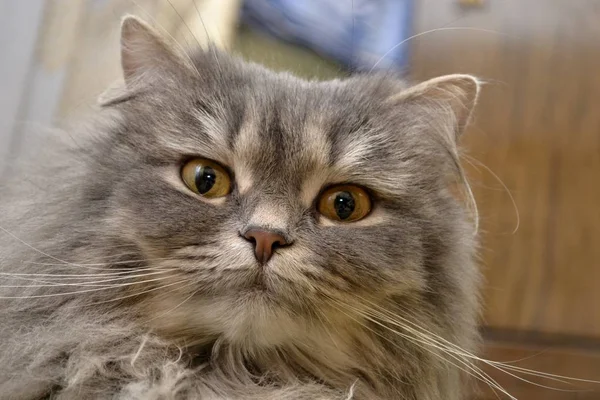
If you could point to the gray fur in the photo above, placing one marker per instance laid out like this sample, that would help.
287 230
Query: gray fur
225 328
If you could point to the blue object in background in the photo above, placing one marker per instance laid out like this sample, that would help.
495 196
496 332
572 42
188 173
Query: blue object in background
360 34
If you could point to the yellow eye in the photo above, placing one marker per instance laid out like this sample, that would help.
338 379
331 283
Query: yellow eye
346 203
206 177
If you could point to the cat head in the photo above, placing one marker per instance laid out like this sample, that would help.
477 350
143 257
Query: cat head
270 199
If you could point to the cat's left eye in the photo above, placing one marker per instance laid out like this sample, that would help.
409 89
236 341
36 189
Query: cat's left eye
345 203
206 178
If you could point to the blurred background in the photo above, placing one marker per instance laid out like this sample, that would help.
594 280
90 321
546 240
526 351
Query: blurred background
533 151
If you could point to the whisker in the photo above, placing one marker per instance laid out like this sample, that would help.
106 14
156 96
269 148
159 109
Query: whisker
502 366
76 276
471 161
544 386
452 28
115 257
208 38
322 316
92 283
418 342
178 305
107 263
498 365
82 291
543 374
31 247
140 293
184 23
478 373
518 360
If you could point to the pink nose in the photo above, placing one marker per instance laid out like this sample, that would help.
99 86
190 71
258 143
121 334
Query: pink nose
264 243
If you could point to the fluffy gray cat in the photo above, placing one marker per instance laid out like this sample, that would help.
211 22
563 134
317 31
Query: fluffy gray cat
229 232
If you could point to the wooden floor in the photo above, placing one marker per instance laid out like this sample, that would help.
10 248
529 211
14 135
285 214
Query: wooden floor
538 131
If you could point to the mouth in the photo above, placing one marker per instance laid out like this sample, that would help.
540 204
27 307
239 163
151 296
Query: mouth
260 283
250 279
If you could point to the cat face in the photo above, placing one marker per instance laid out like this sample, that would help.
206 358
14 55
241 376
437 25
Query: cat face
268 198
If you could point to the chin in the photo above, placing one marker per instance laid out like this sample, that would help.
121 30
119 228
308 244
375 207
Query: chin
256 316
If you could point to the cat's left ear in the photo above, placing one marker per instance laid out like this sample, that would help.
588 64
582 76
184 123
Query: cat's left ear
449 99
146 56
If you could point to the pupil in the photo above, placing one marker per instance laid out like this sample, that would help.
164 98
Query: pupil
344 204
205 178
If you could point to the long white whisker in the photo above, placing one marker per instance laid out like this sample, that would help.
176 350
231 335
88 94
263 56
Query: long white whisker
518 360
498 365
140 293
92 283
539 384
455 28
481 375
184 23
108 262
33 248
478 374
80 276
208 38
83 291
471 161
414 325
177 306
446 350
542 374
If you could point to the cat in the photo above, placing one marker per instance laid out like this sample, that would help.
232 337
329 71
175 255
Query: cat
229 232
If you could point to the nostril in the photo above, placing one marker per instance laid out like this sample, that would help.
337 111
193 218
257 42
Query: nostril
265 242
249 236
280 243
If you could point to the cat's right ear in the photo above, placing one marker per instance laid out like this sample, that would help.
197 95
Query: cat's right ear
143 50
145 56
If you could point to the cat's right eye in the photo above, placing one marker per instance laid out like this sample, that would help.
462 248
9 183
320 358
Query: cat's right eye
206 178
